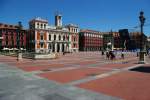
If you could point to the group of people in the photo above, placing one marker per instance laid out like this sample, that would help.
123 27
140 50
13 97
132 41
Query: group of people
110 55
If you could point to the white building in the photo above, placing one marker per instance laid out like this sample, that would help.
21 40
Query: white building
44 38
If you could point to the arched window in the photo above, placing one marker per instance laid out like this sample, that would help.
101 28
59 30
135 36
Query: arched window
41 25
59 37
54 37
49 37
64 38
41 37
37 25
44 26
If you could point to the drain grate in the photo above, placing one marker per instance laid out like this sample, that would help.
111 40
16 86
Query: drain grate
142 69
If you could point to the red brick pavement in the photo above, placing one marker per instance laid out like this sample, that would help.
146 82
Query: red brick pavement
87 62
71 75
126 85
116 66
42 67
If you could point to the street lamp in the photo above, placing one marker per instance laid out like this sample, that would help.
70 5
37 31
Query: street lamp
142 52
19 54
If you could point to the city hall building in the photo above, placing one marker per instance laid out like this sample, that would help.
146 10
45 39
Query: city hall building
44 38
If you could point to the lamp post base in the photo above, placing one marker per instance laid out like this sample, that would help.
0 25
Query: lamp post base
142 58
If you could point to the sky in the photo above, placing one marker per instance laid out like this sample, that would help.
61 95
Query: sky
100 15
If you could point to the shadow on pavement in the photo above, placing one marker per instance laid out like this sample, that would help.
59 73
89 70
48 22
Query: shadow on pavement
141 69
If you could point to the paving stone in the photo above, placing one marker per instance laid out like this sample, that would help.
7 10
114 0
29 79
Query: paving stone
21 86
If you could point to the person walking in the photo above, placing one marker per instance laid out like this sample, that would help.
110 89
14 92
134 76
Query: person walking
122 55
107 55
102 52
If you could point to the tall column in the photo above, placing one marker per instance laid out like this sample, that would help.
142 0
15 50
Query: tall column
60 47
65 47
55 47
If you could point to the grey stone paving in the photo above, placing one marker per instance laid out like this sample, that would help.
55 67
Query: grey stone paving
18 85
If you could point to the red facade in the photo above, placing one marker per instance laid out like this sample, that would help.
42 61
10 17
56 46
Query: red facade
90 40
11 37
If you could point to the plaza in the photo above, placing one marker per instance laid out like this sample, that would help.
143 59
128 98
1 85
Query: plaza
75 76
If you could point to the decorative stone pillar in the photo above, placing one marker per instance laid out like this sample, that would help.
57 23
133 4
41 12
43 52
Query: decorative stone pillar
55 47
65 47
60 50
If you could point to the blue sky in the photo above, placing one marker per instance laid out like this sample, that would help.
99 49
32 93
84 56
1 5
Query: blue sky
102 15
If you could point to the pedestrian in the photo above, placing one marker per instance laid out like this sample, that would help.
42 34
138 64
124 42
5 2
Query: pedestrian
122 55
112 55
102 53
107 55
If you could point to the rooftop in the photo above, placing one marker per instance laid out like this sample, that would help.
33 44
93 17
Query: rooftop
89 31
8 26
39 19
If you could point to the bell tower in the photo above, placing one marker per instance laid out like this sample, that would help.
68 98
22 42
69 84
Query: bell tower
58 20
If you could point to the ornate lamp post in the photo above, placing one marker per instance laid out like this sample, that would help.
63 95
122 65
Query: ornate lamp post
19 54
142 52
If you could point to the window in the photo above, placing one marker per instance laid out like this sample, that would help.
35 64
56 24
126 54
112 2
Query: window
74 30
6 37
42 45
12 36
49 37
13 43
74 38
5 25
59 37
44 26
41 25
74 45
64 38
54 37
6 43
41 37
37 25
